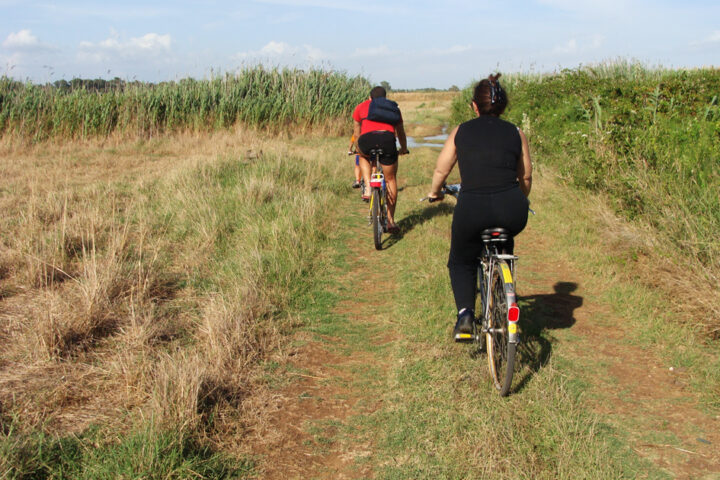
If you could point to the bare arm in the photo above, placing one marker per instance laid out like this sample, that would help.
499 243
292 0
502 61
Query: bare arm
400 131
445 163
524 171
356 130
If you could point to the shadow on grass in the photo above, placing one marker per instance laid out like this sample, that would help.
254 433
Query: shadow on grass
538 314
418 217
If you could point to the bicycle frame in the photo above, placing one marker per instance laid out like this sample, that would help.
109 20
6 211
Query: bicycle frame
377 179
489 259
497 312
377 185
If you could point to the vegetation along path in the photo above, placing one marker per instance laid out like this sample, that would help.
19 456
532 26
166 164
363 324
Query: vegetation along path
375 388
209 304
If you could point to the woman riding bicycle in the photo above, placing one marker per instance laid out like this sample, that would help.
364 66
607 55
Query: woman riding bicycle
493 156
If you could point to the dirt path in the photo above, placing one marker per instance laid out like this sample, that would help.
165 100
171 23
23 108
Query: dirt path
312 432
303 433
629 384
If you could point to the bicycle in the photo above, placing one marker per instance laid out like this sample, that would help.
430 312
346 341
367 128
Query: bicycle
358 183
378 198
496 302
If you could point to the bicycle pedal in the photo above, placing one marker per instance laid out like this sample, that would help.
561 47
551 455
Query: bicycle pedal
464 337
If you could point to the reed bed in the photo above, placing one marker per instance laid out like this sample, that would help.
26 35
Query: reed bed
256 97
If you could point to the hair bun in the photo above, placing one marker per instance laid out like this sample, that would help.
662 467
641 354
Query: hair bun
489 97
494 78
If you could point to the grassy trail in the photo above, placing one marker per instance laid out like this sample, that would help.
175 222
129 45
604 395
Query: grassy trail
376 389
240 324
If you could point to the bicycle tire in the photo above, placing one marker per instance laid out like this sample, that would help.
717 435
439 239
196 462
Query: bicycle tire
375 214
383 211
501 353
479 310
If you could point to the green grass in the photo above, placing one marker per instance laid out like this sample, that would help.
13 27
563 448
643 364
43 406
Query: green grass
261 241
442 417
147 454
439 415
648 313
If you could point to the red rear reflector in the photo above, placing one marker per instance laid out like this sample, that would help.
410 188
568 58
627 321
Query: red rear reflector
513 313
495 234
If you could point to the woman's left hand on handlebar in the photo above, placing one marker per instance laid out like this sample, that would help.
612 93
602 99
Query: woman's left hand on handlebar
435 197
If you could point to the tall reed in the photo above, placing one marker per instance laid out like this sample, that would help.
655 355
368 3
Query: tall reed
258 97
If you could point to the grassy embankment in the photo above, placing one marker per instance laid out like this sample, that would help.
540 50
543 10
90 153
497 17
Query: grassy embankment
137 295
648 139
142 280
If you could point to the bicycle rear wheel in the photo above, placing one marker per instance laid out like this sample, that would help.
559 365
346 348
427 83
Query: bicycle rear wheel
501 353
479 310
376 218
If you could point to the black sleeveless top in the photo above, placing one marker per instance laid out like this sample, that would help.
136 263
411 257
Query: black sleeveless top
488 150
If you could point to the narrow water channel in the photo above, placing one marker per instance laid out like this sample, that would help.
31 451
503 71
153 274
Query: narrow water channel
435 141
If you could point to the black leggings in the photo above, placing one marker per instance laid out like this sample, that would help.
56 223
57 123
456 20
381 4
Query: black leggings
474 213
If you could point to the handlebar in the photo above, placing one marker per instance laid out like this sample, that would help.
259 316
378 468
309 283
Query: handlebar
355 152
452 190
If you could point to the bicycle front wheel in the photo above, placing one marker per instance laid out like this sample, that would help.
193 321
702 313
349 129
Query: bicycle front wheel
501 353
376 218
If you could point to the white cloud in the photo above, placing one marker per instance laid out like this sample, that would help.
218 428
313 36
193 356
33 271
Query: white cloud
314 54
575 45
149 45
714 37
381 51
366 6
450 50
25 41
569 47
275 48
612 8
283 52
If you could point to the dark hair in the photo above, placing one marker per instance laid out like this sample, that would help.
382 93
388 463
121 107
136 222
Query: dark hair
378 92
490 97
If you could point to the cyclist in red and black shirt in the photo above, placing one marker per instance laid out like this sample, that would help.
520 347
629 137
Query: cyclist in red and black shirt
371 135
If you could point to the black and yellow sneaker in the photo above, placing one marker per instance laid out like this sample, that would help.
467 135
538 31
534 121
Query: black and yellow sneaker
463 331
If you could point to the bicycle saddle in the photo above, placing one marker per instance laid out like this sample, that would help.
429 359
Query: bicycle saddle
376 151
495 235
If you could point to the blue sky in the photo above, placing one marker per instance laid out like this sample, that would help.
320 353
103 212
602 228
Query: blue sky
410 44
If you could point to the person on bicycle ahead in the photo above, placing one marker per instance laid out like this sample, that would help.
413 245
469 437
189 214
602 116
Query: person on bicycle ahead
356 169
493 156
372 134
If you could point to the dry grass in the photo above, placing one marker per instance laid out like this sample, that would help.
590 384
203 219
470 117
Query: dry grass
688 275
99 247
444 98
647 256
424 114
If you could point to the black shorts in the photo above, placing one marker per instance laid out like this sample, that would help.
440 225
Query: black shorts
379 139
